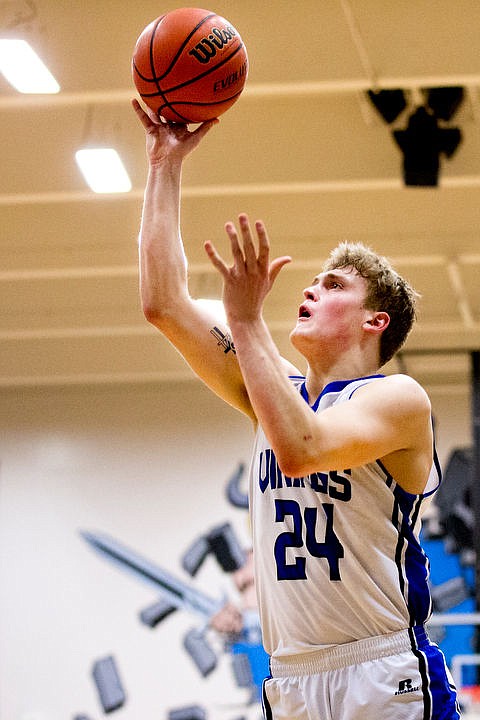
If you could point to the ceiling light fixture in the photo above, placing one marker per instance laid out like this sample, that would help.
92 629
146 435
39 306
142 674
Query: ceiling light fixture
23 69
444 101
389 103
103 170
422 143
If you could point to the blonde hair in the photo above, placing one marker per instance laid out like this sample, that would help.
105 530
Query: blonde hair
386 291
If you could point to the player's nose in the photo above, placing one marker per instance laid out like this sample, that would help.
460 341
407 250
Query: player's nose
309 293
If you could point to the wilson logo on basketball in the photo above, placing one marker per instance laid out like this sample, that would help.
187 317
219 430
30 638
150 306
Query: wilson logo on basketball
207 48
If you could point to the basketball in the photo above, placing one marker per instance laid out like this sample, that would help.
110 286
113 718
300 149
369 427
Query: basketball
189 65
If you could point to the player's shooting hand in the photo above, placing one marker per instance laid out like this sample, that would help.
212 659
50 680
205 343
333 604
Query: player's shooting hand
166 139
250 278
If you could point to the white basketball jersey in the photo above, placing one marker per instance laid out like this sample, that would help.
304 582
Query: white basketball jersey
337 555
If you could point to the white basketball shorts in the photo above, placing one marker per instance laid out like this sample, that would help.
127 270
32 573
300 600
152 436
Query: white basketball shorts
399 676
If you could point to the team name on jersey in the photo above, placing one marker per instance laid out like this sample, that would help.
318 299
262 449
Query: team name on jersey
335 484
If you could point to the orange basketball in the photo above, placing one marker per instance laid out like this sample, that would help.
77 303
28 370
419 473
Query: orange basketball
189 65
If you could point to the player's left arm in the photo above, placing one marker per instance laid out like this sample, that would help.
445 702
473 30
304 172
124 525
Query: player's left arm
386 419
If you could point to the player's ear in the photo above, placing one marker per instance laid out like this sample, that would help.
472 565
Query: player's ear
377 322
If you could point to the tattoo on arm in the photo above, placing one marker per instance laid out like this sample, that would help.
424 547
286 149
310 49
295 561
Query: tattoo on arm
223 340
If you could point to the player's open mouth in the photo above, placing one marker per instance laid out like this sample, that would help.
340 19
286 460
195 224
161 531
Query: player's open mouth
303 312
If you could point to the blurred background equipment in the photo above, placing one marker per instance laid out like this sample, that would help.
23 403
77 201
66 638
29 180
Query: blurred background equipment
109 686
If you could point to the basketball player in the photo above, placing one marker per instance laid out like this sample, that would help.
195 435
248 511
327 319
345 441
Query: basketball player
343 462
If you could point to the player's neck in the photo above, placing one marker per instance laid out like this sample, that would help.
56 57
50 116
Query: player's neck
320 374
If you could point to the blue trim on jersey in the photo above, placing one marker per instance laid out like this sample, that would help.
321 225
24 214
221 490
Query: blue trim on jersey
368 377
412 563
335 386
436 463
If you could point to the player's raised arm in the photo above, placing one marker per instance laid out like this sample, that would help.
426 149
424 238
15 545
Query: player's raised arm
200 337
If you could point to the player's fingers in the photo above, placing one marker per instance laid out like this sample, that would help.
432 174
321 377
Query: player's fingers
247 239
146 121
204 128
175 127
263 243
237 252
215 258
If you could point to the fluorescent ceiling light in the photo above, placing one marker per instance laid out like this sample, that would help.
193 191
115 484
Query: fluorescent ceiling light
103 170
23 69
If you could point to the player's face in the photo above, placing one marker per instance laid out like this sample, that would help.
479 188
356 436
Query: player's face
333 308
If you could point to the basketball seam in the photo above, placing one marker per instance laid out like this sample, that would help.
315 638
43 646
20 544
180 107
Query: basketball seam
152 59
199 104
178 53
188 103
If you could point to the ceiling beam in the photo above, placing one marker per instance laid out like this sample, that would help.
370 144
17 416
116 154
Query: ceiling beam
253 90
196 269
443 329
238 190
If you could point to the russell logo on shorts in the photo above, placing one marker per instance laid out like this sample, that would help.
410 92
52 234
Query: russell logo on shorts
405 686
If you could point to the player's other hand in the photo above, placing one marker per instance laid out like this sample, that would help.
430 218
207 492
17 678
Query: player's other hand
227 620
250 277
